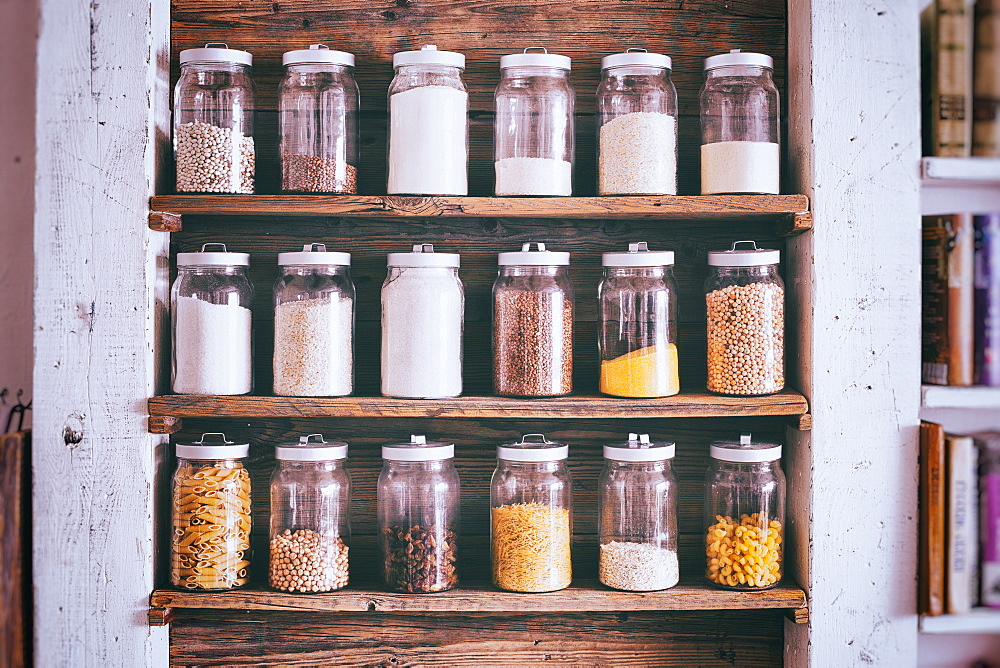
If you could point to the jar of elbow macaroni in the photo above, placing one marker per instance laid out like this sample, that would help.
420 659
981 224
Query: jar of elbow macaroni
210 544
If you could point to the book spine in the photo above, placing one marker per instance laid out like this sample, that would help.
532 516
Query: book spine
952 79
961 301
989 523
932 508
937 237
986 79
987 300
960 534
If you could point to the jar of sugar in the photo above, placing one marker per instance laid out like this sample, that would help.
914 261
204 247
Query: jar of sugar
740 118
210 317
533 132
428 124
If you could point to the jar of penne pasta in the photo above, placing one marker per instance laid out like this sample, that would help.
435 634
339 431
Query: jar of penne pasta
210 545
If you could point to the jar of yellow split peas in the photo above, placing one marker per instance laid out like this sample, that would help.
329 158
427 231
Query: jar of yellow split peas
744 514
210 544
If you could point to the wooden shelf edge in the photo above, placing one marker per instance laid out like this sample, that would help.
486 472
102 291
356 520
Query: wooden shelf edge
979 620
948 396
978 170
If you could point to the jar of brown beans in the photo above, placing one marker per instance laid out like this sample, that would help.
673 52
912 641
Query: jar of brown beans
745 301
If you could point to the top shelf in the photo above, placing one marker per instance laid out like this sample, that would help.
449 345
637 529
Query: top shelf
946 396
948 171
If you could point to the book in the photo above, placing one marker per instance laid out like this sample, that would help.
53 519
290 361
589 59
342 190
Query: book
961 533
947 341
932 508
947 47
986 79
989 518
986 320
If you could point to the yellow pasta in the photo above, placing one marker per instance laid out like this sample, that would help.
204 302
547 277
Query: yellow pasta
531 547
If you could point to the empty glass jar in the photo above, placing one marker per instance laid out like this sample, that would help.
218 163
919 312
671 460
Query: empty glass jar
318 121
638 323
533 130
213 121
418 516
638 515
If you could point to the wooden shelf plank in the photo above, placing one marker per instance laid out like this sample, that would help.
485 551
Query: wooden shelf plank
587 596
944 396
980 620
579 407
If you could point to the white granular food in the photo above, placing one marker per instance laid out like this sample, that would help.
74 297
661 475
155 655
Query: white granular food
214 159
638 155
533 176
212 353
428 153
740 167
638 566
422 312
313 348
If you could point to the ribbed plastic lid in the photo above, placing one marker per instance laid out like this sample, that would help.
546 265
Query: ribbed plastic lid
638 255
739 57
538 257
745 450
638 448
307 450
532 58
318 53
221 258
537 449
428 55
744 257
419 449
423 255
635 57
314 254
216 52
222 449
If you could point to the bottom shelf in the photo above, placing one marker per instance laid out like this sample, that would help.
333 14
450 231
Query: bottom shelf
980 620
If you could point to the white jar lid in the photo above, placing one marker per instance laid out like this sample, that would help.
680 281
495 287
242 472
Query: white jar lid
530 58
216 52
634 57
744 257
639 448
428 55
739 57
423 255
419 449
538 257
638 255
538 449
318 53
745 451
221 258
319 450
224 449
314 254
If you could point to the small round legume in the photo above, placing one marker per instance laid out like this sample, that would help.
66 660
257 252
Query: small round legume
746 339
307 561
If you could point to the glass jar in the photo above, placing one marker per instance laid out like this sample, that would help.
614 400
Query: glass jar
638 323
745 300
213 121
314 324
533 129
744 514
638 515
428 124
210 543
531 527
310 516
210 316
636 125
740 123
418 516
533 324
423 308
318 121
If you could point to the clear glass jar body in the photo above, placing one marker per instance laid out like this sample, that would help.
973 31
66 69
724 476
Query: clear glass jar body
212 350
744 520
314 331
533 331
746 330
636 131
213 128
210 544
422 323
533 132
740 126
531 528
428 131
638 525
310 526
418 521
638 332
318 128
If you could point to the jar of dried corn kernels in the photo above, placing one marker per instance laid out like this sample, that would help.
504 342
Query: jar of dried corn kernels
744 514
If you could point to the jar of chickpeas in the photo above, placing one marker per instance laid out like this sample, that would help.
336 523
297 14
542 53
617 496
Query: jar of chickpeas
744 514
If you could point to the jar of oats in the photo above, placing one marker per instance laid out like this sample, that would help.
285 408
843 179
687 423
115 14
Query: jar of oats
745 300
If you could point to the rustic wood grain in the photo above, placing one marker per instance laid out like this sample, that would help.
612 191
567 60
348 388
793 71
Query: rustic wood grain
160 616
15 550
164 221
164 424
